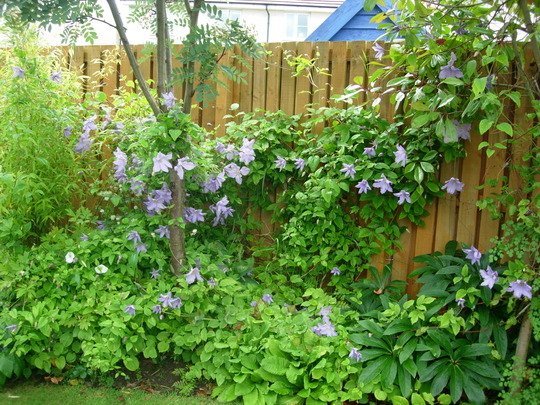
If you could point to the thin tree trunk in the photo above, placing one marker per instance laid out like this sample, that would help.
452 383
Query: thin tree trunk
131 57
522 349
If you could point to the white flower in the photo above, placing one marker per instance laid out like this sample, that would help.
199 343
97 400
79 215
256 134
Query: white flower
70 257
102 269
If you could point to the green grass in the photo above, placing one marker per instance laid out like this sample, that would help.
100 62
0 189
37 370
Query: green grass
49 394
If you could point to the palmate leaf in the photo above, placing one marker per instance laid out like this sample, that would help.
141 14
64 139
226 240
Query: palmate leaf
456 383
441 380
473 391
404 382
373 370
389 371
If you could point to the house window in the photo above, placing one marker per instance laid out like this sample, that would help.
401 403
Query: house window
232 15
297 26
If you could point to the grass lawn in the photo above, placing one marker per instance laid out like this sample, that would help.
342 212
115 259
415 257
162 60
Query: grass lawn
49 394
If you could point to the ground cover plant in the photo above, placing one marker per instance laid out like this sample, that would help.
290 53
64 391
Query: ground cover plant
90 293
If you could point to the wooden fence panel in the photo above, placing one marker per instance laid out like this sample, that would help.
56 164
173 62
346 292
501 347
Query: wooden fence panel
271 84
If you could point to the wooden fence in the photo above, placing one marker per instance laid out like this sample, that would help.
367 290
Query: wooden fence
270 84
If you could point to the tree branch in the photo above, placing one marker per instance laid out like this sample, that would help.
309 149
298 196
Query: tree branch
131 56
530 30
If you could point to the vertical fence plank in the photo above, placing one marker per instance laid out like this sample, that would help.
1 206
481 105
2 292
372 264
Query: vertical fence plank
223 100
424 241
288 81
273 82
110 68
358 71
93 68
445 226
259 83
303 80
339 70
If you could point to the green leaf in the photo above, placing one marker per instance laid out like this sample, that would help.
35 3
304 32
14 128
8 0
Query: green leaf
506 128
473 391
404 382
227 395
485 125
479 85
373 369
252 398
456 383
453 81
275 365
473 350
131 363
399 400
389 372
501 340
440 381
417 399
243 388
163 346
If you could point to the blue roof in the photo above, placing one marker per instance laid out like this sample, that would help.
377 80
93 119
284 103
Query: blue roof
350 22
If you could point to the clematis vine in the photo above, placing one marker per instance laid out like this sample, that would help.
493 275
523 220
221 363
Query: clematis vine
267 298
355 354
370 151
379 51
236 172
120 163
463 130
335 271
214 183
193 215
18 72
280 163
154 273
299 164
194 275
222 211
84 143
56 76
163 231
169 100
473 254
403 196
246 154
401 156
363 186
130 310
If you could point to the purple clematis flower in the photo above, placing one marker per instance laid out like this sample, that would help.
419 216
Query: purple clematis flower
162 163
299 164
253 304
401 156
192 215
120 163
163 194
18 72
335 271
280 163
12 328
489 277
212 282
90 124
363 186
154 273
100 225
84 143
473 254
520 289
460 302
156 309
267 298
463 130
214 183
370 151
324 329
348 170
137 187
56 76
169 100
355 354
183 164
163 231
141 248
246 154
68 131
403 196
325 313
222 211
166 299
134 236
383 184
379 51
450 70
84 237
154 205
194 275
236 172
130 310
453 185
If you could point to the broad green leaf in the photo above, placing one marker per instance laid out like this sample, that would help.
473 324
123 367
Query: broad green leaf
131 363
479 85
275 365
506 128
485 125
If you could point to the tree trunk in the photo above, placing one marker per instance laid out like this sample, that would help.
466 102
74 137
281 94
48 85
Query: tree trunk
520 359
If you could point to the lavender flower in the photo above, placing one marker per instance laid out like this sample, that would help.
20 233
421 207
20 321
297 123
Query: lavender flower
267 298
163 231
383 184
12 328
175 303
401 156
370 151
83 144
324 329
403 196
222 211
141 248
460 302
453 185
84 237
363 186
335 271
56 76
163 194
166 299
184 164
156 309
299 164
137 187
192 215
234 171
68 131
227 150
520 289
162 163
70 258
169 99
253 304
489 277
90 124
246 154
325 313
120 163
130 310
154 273
212 282
194 275
473 254
214 183
100 225
463 130
134 236
154 205
18 72
280 163
379 51
355 354
348 170
450 70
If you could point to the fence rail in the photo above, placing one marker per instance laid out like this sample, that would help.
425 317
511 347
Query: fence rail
270 84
